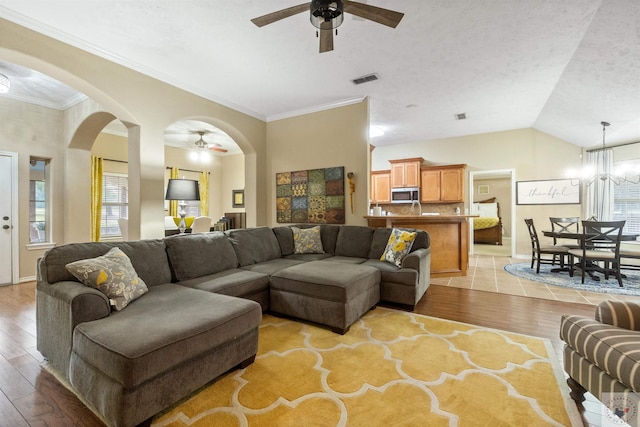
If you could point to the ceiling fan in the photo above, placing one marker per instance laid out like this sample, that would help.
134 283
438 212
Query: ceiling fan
327 15
202 145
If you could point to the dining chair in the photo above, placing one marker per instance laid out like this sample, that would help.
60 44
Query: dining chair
600 242
201 224
538 250
565 225
569 224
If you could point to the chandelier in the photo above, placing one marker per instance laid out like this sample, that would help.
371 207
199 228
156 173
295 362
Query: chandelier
602 168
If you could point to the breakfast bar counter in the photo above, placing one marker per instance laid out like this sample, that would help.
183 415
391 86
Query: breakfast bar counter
449 236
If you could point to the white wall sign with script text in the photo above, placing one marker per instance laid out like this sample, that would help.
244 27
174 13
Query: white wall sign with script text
548 192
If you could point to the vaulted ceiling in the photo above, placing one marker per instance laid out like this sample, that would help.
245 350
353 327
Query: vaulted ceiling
558 66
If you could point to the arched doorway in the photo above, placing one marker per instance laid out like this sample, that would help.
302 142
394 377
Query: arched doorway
197 146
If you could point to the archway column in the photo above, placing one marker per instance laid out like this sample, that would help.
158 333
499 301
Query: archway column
146 182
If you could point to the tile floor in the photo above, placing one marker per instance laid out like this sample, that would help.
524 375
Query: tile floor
486 273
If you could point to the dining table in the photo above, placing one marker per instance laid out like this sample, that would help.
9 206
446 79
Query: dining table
625 237
629 237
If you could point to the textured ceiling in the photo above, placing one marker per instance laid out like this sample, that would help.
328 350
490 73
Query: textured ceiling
558 66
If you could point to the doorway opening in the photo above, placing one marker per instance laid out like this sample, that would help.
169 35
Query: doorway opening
9 231
500 184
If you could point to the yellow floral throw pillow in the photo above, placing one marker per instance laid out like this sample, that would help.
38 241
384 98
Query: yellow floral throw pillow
307 240
113 275
398 246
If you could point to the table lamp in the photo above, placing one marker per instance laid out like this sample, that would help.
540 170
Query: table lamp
182 190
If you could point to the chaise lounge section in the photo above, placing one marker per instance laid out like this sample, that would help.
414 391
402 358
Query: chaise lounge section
200 315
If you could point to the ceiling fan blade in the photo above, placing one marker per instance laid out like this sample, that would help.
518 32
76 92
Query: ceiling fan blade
387 17
221 150
326 37
270 18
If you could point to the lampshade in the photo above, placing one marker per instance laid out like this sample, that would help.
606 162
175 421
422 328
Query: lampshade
5 84
183 189
326 11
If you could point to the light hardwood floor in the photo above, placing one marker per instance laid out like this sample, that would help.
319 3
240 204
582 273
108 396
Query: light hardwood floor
30 396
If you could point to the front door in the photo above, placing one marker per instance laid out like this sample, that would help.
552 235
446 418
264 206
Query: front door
6 220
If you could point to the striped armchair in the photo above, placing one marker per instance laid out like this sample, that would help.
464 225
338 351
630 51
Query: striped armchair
603 355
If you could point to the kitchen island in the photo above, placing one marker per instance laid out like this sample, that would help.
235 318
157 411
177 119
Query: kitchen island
449 236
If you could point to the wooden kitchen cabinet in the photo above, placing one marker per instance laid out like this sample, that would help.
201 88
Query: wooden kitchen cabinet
381 186
442 184
406 172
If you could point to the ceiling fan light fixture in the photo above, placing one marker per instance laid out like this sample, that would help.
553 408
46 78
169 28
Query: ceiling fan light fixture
201 144
326 11
5 84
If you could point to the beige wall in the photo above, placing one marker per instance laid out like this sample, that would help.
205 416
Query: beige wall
336 137
531 153
31 130
146 106
232 179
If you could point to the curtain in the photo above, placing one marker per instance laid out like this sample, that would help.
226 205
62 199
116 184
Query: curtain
600 189
96 197
204 193
173 204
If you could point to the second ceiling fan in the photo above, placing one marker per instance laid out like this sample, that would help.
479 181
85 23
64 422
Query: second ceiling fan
327 15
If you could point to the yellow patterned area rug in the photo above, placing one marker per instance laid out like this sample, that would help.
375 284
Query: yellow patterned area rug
391 368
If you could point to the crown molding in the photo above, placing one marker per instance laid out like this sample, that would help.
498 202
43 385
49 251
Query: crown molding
315 109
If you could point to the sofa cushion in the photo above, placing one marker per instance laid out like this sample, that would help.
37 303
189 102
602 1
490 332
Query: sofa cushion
379 242
354 241
236 282
340 283
307 240
422 240
196 255
171 325
389 273
309 257
346 259
328 235
148 257
253 245
284 234
398 246
271 266
113 275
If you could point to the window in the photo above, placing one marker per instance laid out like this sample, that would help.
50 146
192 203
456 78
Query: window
626 199
115 203
192 208
38 200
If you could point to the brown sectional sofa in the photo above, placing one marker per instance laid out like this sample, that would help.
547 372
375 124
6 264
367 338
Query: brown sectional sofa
201 314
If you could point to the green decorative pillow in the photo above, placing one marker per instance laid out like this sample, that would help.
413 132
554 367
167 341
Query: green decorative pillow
113 275
307 240
398 246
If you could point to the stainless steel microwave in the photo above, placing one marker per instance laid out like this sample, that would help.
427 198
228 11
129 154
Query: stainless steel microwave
405 195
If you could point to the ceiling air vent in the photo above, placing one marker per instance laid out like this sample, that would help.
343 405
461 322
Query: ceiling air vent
460 116
365 79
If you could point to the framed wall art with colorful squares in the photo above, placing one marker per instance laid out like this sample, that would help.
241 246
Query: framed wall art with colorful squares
313 196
